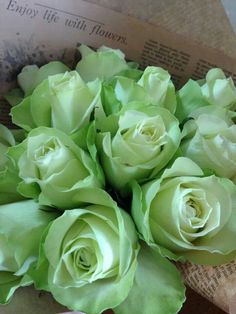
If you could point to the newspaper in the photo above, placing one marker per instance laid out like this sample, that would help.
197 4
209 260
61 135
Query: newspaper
200 22
43 30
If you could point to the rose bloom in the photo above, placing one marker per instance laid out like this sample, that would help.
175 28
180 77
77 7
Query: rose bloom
137 143
63 101
54 169
185 214
91 254
210 140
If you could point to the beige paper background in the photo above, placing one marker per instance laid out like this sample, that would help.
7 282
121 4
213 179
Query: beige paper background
204 21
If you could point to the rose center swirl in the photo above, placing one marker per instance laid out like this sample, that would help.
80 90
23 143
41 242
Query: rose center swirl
84 258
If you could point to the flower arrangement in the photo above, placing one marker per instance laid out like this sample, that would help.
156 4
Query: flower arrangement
112 175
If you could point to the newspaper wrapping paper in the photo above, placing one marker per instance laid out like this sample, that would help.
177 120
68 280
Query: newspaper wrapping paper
217 283
200 22
44 30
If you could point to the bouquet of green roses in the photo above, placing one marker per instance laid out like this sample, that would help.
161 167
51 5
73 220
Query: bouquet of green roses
112 175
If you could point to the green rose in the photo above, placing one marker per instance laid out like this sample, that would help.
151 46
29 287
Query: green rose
91 255
9 178
91 252
219 90
21 228
210 140
184 214
62 101
159 87
100 64
54 169
137 143
154 87
215 89
30 77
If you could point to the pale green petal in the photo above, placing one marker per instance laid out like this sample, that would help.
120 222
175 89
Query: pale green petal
85 51
127 90
14 96
154 87
63 197
21 228
6 137
21 114
38 271
159 87
140 209
219 90
27 190
118 52
158 280
215 90
210 141
102 64
132 73
27 77
9 181
214 74
72 102
216 111
104 293
9 178
40 107
210 124
114 169
31 75
139 138
109 102
189 98
106 238
182 166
